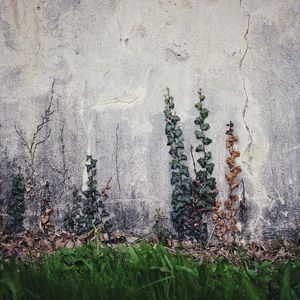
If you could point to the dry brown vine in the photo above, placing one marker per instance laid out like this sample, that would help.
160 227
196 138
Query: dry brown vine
226 218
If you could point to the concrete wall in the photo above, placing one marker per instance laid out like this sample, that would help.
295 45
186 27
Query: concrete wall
113 59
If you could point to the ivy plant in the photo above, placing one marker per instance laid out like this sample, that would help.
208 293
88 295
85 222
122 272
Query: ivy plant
74 220
180 177
204 185
16 205
88 209
191 198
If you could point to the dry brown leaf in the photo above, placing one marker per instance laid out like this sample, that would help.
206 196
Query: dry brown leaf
234 154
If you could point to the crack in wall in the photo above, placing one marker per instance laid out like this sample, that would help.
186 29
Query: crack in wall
116 102
246 105
247 44
249 146
118 20
121 102
117 159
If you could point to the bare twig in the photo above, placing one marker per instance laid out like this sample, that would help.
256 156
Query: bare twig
243 201
194 164
211 234
107 187
33 144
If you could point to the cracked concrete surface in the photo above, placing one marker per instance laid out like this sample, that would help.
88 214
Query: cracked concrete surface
113 59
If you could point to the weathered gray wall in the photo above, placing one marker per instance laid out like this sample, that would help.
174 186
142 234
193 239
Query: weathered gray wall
112 60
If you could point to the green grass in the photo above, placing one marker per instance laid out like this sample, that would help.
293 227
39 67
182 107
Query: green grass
91 272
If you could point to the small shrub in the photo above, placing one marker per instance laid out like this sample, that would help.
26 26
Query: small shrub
88 209
16 205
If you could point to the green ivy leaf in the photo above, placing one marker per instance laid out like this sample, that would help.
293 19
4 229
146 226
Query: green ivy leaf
174 119
199 134
198 105
202 190
186 184
185 171
177 132
182 157
200 148
206 141
201 175
173 217
199 120
176 178
202 98
204 113
180 145
202 162
179 206
177 191
174 164
93 163
168 113
171 105
210 168
169 127
211 183
208 155
173 152
187 200
170 140
204 126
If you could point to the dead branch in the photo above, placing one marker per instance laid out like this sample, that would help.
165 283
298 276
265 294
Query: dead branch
37 140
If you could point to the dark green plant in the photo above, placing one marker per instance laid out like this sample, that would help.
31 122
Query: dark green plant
180 177
16 205
88 211
161 232
94 208
204 186
190 198
74 220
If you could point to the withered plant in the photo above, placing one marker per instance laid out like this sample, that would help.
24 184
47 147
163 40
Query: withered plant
46 211
40 135
226 218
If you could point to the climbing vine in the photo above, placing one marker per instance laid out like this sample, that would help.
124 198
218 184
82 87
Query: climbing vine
88 209
191 199
204 185
74 220
226 219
